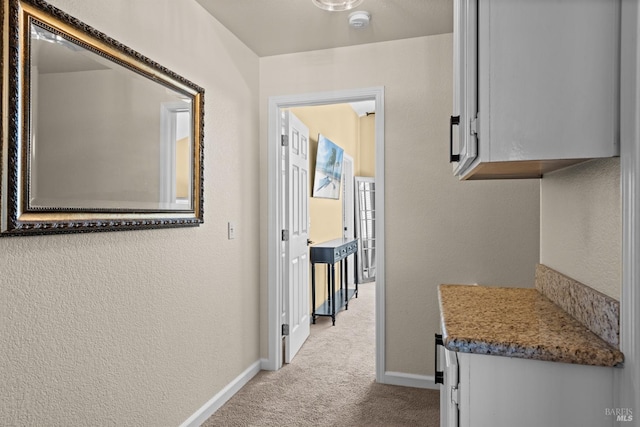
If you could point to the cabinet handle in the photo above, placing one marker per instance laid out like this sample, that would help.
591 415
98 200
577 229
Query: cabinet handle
455 120
439 376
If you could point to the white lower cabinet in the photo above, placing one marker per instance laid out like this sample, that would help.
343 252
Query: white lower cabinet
497 391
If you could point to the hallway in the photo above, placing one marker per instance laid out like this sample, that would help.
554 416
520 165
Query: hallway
331 382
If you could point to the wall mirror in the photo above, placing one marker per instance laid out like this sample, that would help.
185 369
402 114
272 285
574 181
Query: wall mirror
95 136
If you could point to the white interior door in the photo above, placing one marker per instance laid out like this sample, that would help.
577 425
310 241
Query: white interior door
296 218
348 209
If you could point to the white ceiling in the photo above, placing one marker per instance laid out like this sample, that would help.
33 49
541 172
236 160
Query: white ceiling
363 108
273 27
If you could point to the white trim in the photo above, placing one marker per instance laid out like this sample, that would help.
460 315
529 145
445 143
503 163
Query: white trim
410 380
380 246
628 379
274 274
264 365
209 408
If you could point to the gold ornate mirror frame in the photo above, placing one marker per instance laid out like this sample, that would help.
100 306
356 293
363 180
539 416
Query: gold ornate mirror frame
45 188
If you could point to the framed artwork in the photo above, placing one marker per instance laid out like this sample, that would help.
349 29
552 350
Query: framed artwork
328 174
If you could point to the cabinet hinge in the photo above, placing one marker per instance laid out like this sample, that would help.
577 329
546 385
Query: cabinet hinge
474 127
285 329
285 235
284 140
455 395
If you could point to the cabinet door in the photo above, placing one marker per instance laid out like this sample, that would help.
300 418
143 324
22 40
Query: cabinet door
465 69
449 394
501 391
548 79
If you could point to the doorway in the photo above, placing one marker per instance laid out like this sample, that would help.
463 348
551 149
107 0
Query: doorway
276 305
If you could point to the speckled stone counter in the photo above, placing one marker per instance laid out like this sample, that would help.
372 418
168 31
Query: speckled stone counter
596 311
517 322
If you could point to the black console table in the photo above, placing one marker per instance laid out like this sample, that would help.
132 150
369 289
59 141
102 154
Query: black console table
330 253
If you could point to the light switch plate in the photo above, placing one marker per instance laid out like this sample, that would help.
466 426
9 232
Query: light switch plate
231 230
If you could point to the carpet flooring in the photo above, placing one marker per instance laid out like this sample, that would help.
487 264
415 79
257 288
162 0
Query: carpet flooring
331 382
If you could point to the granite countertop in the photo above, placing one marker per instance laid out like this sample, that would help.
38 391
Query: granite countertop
517 322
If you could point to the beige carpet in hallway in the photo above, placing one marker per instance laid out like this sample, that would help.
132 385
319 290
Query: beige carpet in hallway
331 382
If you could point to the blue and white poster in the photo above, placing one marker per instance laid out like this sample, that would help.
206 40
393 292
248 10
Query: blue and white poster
326 183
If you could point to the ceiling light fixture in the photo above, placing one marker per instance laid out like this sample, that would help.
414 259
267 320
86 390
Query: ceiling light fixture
337 5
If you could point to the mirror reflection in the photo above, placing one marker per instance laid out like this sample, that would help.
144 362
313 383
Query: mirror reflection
104 137
96 136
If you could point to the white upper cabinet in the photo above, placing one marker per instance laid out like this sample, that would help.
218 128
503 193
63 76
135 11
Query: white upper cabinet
536 85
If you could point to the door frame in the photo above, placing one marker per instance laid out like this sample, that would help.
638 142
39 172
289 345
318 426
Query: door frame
275 273
627 393
168 142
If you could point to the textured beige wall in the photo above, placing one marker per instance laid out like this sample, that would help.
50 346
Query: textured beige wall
581 224
141 328
438 230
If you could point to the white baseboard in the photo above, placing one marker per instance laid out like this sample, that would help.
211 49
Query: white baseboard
409 380
208 409
268 365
